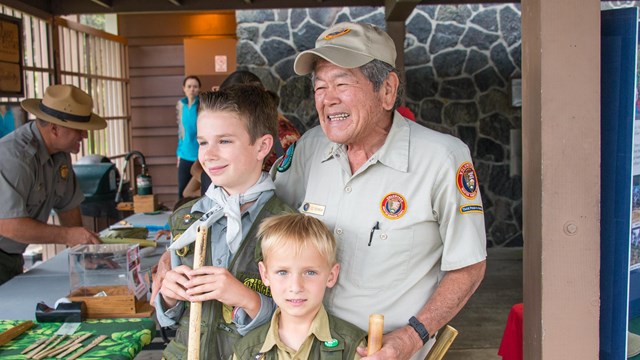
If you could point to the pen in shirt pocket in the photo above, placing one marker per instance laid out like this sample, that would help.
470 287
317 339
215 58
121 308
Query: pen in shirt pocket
375 227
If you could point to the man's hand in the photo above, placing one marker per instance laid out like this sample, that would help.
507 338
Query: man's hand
79 235
399 344
216 283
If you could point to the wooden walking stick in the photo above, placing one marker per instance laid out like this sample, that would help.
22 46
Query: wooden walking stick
195 311
376 327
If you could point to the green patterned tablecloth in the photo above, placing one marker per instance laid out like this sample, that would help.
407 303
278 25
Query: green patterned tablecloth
126 337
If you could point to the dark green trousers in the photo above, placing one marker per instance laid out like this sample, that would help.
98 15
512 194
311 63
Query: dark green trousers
10 266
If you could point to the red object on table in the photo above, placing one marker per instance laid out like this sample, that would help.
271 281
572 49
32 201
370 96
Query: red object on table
512 340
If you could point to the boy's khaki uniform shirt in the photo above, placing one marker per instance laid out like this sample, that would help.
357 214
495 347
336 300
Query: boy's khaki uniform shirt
319 329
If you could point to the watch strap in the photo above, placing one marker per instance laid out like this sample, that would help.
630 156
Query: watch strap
420 329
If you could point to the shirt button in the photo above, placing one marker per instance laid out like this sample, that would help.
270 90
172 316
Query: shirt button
339 231
383 236
348 189
218 261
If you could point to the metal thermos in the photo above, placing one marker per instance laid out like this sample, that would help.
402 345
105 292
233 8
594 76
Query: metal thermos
143 182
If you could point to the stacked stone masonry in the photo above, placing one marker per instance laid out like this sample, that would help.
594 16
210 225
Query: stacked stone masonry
460 61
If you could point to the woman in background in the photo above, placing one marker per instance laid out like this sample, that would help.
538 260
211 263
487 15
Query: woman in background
187 111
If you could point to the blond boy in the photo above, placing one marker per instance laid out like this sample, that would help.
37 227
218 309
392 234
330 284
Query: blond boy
299 264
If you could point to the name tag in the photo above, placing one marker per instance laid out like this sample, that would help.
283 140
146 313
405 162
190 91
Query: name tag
314 209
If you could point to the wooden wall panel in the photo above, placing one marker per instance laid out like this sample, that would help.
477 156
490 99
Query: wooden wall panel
144 86
157 68
155 56
154 116
152 146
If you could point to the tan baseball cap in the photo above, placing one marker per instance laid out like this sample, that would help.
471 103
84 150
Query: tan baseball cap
348 45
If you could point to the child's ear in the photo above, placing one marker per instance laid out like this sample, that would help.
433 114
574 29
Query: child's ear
263 273
265 144
333 276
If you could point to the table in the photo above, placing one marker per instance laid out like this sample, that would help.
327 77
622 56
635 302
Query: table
49 281
126 337
512 340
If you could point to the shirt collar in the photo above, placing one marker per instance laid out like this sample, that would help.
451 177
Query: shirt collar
205 204
319 329
185 101
394 153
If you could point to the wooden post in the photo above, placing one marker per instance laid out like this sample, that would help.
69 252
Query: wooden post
376 327
195 312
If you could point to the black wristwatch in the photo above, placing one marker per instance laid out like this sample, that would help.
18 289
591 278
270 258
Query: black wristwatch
420 329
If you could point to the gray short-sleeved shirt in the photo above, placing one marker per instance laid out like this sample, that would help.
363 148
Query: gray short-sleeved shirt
411 211
32 181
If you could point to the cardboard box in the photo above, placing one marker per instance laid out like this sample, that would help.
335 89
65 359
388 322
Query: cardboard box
145 203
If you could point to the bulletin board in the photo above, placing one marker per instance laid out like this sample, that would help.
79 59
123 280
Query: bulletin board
11 74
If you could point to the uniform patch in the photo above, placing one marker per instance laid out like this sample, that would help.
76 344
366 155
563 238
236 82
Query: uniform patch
467 180
471 209
257 285
337 34
285 164
64 171
393 206
314 209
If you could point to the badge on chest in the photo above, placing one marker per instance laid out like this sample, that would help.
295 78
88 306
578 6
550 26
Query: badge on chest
314 209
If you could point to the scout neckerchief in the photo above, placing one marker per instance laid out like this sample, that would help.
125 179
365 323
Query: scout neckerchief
229 206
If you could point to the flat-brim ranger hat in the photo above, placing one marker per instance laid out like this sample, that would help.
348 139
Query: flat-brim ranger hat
348 45
65 105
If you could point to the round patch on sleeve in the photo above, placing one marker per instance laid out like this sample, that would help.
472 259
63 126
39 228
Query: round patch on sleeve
467 180
393 206
285 164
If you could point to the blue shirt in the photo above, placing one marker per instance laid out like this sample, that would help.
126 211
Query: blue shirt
187 143
7 124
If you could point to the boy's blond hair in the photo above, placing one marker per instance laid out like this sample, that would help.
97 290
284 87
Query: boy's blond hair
296 232
253 104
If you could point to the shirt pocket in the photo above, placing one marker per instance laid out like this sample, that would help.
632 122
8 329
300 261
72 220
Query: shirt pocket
386 261
59 190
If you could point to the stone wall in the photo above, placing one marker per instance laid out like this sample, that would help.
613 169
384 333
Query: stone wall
459 63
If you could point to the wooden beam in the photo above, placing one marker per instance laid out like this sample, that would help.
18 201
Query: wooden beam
399 10
104 3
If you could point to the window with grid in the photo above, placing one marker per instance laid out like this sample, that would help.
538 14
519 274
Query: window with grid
91 59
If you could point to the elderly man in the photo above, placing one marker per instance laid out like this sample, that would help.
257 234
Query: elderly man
402 200
36 176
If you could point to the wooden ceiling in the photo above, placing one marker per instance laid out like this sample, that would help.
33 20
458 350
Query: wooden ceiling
395 9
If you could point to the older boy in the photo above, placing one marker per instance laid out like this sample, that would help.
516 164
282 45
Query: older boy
236 128
299 263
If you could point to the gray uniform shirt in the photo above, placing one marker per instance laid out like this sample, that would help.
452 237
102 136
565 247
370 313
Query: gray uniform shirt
410 212
32 181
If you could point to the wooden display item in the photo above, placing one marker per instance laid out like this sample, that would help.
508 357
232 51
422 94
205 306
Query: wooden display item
444 340
376 327
145 203
195 311
14 332
119 302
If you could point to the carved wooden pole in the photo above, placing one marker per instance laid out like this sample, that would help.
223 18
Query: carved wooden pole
195 312
376 327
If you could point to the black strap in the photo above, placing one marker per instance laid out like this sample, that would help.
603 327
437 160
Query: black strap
420 329
63 115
